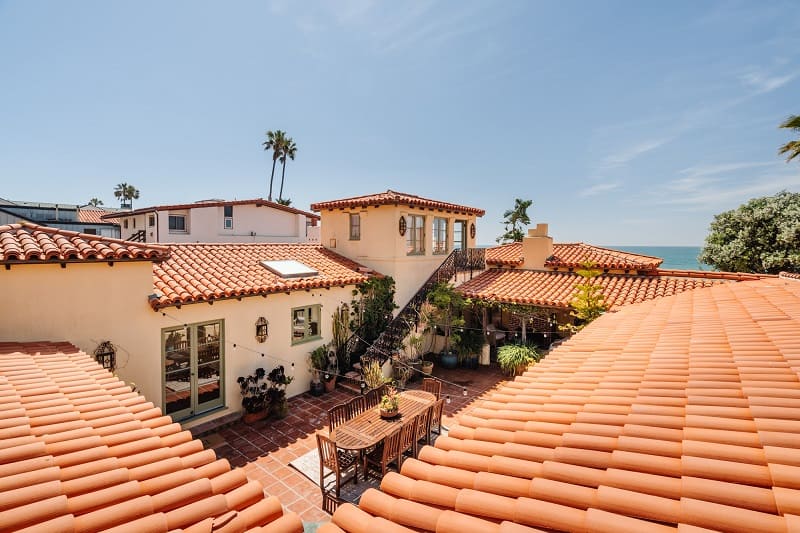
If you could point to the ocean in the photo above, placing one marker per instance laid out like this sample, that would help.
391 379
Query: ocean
678 257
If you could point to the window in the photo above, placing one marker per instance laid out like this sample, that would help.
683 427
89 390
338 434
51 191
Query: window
355 227
151 220
125 223
439 235
227 217
305 323
134 223
177 223
460 235
90 231
193 368
415 235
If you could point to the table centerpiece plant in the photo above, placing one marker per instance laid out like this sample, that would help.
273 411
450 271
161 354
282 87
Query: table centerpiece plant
389 406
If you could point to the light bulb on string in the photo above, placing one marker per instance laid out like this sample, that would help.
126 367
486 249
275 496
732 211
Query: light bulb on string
464 392
448 399
234 345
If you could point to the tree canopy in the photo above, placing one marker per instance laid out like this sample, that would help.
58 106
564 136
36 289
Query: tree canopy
587 301
761 236
126 194
792 148
515 220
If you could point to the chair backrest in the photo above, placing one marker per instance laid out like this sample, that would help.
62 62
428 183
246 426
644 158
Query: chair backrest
407 434
337 415
436 414
391 446
357 405
328 458
374 396
421 423
432 385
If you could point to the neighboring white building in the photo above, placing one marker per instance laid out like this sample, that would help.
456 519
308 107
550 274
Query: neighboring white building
256 220
80 218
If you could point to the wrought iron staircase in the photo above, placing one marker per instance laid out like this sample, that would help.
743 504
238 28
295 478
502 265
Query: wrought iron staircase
137 236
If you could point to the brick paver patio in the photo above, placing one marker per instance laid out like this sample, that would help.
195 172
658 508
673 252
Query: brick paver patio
266 448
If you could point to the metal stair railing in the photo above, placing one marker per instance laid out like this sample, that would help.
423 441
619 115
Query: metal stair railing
137 236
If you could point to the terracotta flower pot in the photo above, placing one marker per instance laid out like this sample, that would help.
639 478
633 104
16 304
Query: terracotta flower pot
251 418
389 413
427 367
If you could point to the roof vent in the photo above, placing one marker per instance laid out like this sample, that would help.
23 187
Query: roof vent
290 268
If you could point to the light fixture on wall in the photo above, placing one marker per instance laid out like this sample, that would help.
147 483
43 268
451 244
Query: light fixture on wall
106 355
332 243
401 225
472 230
262 329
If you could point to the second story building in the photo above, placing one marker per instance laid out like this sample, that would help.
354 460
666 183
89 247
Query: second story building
397 234
256 220
81 218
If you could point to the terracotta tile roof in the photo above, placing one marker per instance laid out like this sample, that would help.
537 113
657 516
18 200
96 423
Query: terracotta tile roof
679 411
79 451
92 216
573 254
30 243
395 198
555 289
213 203
204 272
790 275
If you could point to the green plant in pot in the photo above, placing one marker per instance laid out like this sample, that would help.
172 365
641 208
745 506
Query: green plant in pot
446 304
372 373
469 346
255 396
317 362
514 359
415 343
278 381
390 403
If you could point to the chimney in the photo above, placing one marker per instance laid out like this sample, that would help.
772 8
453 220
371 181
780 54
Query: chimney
537 246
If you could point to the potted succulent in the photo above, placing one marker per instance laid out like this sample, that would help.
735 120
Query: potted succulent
255 396
276 392
389 406
317 362
514 359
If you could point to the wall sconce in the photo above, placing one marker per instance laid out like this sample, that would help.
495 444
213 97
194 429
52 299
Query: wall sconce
106 355
332 243
262 329
472 230
401 225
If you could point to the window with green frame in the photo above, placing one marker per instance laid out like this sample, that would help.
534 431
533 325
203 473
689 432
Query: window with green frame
306 323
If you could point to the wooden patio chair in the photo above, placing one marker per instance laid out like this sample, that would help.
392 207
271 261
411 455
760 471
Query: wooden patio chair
432 385
339 463
407 433
384 454
330 502
357 405
421 428
374 396
337 415
435 422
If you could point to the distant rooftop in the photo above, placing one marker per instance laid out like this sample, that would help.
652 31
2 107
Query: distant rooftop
395 198
218 203
571 255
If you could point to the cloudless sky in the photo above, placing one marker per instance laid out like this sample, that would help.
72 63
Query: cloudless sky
625 122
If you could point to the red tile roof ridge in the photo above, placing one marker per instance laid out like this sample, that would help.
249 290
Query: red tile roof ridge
391 197
677 412
622 254
789 275
26 242
573 254
81 451
214 203
711 274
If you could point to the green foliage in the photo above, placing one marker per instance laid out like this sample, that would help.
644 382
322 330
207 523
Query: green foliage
515 220
445 311
515 358
587 301
288 151
276 140
372 372
792 148
372 307
339 333
284 201
470 342
761 236
318 358
254 391
95 202
126 194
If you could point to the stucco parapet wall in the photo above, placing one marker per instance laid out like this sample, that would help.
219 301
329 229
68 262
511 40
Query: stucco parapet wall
28 243
258 202
396 199
198 273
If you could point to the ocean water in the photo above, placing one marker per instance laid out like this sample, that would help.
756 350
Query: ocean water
679 257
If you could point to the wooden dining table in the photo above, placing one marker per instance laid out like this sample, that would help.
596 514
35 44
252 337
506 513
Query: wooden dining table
369 428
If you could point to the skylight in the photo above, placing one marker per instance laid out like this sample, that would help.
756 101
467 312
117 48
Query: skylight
290 268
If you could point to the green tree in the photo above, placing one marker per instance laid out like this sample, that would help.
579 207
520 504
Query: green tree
792 148
96 202
761 236
372 307
126 194
284 201
446 306
275 142
289 150
515 220
587 301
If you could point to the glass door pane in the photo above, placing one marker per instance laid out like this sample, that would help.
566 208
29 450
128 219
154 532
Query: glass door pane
460 235
209 376
177 372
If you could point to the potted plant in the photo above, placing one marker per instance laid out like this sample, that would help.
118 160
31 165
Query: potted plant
415 343
255 396
276 392
514 359
390 406
371 373
331 371
317 362
445 313
468 347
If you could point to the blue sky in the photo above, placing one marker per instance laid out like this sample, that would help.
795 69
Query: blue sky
628 123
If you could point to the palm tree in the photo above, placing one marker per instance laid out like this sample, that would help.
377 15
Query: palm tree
96 202
792 147
126 192
289 150
276 140
514 220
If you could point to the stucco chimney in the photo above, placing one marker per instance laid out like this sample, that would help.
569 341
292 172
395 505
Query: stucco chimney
537 246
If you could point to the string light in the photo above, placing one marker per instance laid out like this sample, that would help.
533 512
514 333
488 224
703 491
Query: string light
464 392
448 400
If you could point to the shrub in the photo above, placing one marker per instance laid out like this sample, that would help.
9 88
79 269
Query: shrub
515 358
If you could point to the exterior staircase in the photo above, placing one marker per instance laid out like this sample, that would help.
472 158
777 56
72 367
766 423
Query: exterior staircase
137 236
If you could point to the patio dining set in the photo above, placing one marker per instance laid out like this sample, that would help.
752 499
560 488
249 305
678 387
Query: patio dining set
360 438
